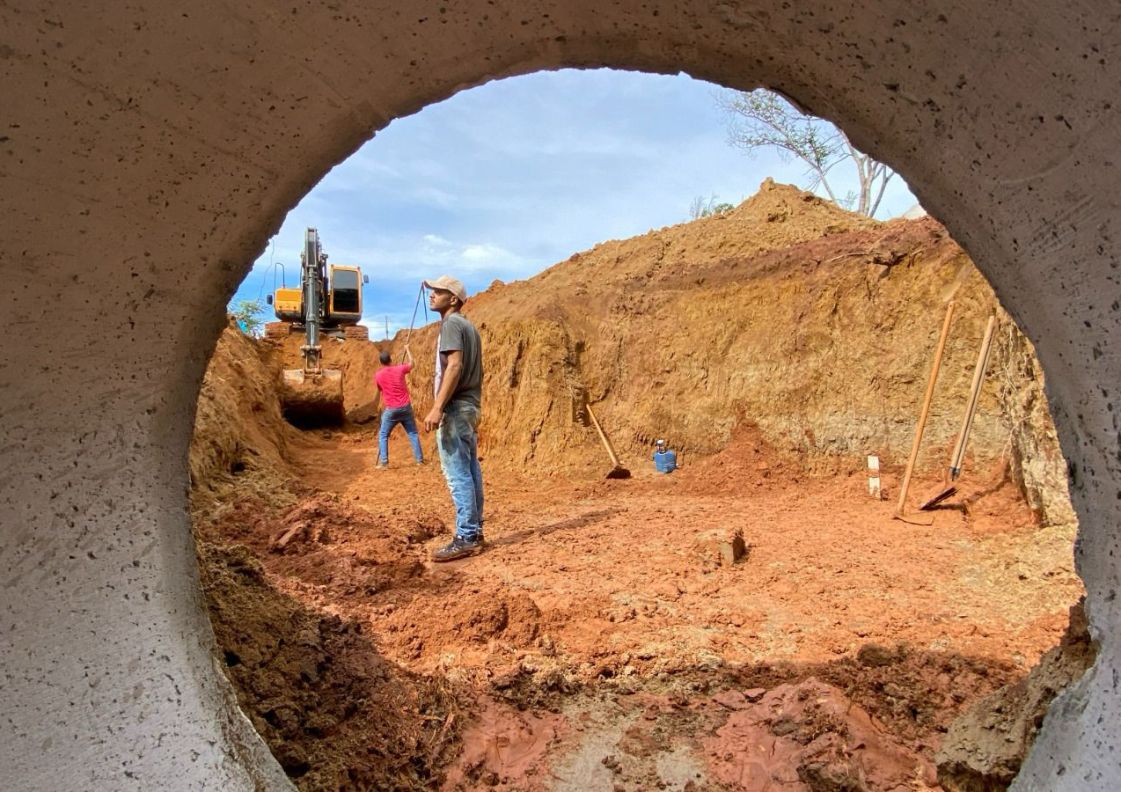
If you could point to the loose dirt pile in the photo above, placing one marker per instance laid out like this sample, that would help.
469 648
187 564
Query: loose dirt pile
332 710
604 640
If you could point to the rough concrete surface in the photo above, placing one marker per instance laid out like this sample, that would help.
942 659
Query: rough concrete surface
148 151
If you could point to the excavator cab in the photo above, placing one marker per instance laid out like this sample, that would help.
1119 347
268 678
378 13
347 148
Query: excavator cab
344 301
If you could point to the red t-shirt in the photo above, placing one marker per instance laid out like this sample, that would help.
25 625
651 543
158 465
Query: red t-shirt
391 381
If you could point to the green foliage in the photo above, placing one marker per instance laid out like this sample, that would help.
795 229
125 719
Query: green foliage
707 208
764 119
249 315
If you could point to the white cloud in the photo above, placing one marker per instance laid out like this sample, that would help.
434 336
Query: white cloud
486 252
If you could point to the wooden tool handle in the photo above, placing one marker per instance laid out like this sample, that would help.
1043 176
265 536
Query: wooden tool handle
974 397
925 406
606 443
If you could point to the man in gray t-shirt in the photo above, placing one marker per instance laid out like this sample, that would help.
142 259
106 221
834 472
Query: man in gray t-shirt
455 414
458 334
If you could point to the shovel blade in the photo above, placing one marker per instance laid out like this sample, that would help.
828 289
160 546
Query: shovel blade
938 497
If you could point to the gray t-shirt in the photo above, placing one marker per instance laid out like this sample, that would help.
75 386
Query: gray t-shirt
458 334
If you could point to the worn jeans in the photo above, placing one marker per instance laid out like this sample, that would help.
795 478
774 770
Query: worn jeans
390 417
458 442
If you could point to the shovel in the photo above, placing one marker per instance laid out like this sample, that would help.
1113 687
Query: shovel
617 470
923 414
949 488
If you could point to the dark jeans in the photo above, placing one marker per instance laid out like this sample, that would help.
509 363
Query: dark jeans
390 417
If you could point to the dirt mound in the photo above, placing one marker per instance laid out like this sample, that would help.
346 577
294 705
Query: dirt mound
302 542
430 623
810 736
747 460
334 713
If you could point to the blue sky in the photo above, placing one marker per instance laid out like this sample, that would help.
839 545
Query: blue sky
506 179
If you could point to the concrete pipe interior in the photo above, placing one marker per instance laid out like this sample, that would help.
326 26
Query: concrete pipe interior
147 154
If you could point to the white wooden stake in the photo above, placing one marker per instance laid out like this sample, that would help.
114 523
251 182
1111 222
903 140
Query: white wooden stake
874 477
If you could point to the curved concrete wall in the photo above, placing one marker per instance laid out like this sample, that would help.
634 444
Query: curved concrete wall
148 150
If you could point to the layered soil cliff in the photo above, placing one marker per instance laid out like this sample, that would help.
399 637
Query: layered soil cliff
815 324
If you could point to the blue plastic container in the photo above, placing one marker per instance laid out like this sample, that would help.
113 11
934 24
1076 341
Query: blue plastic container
665 461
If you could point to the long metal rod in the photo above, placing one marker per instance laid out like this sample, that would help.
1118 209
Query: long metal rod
419 297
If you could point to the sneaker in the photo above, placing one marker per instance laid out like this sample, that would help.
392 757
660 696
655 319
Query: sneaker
381 466
458 548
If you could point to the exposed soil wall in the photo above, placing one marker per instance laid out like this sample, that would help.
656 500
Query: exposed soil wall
356 358
814 324
333 711
238 424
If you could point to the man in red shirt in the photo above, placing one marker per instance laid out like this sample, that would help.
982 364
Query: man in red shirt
398 408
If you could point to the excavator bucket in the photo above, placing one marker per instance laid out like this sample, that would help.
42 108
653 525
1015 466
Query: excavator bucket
309 400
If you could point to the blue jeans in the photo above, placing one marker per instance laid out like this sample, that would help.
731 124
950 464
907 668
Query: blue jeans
458 442
390 417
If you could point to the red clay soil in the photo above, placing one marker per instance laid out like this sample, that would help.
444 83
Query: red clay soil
603 640
600 643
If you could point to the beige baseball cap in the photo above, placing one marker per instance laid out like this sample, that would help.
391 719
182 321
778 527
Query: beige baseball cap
448 283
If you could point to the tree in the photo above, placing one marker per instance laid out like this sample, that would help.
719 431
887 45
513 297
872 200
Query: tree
248 316
762 118
706 208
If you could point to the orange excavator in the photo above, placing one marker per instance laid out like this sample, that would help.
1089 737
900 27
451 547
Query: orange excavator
327 303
